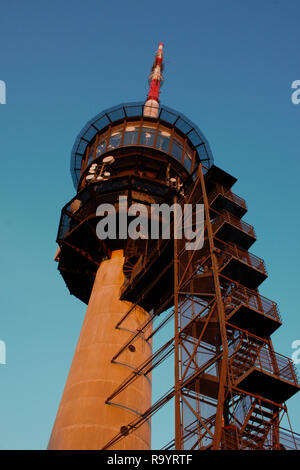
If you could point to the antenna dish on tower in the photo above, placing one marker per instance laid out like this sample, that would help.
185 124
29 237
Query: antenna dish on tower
109 160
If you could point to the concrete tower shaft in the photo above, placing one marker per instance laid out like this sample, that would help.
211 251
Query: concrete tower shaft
84 420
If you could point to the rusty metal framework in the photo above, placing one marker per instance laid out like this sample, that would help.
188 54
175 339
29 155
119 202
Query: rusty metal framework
230 386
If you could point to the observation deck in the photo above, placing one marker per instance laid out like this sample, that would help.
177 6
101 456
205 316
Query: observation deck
146 156
124 125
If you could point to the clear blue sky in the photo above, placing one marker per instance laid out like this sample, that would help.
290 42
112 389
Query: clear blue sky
229 68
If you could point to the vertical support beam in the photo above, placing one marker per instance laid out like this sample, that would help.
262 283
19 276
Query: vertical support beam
193 161
86 157
275 433
156 134
96 145
108 138
140 131
183 151
123 132
176 337
221 317
171 140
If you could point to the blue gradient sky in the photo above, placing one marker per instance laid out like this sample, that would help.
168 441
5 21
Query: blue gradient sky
229 68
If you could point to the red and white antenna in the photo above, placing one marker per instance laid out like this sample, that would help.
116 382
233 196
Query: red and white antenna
152 103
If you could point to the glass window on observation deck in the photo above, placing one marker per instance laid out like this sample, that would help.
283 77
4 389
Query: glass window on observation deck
131 135
148 136
177 149
101 147
91 153
163 140
188 156
115 139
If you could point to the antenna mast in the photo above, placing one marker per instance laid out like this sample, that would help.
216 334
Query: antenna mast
152 103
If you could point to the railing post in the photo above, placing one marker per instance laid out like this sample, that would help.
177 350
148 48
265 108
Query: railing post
259 302
293 371
273 359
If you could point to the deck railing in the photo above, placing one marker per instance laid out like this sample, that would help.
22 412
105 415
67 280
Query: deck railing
255 354
240 295
235 221
288 440
228 250
228 194
276 364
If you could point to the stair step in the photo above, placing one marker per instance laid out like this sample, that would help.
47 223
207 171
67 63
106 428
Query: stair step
251 427
257 419
243 361
245 356
248 350
245 353
248 345
248 443
263 412
253 437
242 364
238 369
253 444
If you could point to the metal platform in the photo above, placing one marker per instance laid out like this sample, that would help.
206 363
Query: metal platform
267 385
221 198
253 321
241 266
231 229
216 175
264 373
248 310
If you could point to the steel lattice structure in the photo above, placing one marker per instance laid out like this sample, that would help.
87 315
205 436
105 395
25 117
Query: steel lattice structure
230 386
